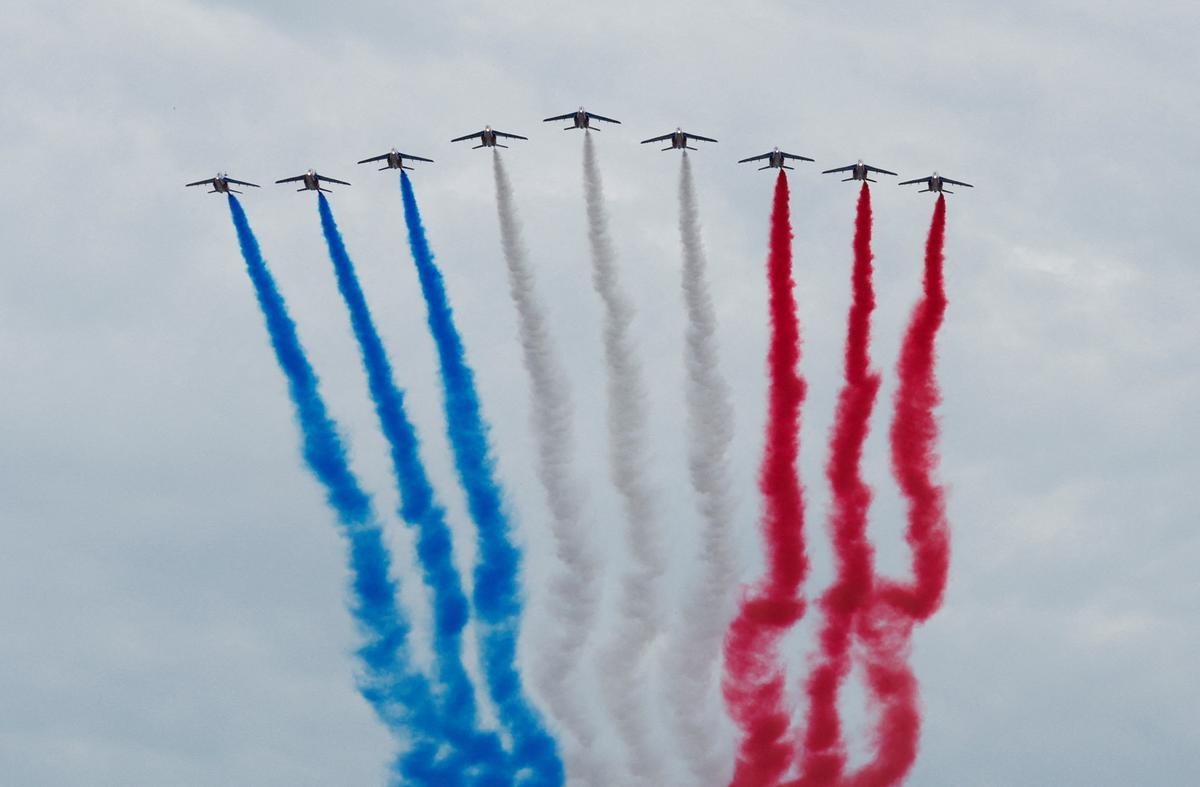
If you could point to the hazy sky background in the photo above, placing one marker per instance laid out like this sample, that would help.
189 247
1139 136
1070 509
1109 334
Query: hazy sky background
171 583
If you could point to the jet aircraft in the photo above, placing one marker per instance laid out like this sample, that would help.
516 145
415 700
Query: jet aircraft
935 182
581 119
395 160
487 138
220 184
679 139
312 181
859 171
776 158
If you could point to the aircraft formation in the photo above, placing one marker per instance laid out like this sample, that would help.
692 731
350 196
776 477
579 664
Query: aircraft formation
490 138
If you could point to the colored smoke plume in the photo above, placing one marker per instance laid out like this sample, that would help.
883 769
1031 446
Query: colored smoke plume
400 695
755 678
624 664
573 587
824 749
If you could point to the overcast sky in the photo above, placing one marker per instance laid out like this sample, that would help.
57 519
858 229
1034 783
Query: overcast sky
171 583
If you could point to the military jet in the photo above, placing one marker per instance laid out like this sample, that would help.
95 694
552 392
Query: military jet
775 158
220 184
935 182
581 119
312 181
679 139
487 138
858 171
395 160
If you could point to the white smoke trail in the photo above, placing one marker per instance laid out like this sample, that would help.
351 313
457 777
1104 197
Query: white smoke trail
625 663
573 592
695 652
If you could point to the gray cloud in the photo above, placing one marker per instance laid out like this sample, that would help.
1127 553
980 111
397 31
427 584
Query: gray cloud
156 633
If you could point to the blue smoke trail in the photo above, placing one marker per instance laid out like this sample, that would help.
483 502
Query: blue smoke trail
497 595
400 696
420 508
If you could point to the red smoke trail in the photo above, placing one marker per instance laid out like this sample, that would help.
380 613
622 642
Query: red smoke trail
897 606
824 751
754 684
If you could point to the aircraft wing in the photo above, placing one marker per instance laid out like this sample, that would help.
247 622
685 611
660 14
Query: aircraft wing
291 180
568 116
202 182
594 116
877 169
510 136
415 158
697 136
755 158
839 169
798 158
656 139
242 183
916 180
331 180
373 158
468 136
957 183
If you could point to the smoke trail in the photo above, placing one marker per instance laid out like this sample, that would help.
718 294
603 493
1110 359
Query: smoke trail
420 508
897 606
399 694
625 661
573 589
497 596
755 675
691 674
824 751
